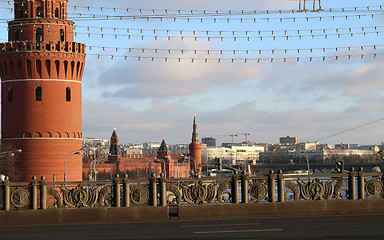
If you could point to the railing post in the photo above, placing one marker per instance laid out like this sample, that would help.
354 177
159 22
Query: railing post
352 184
116 191
360 183
244 188
43 193
126 191
163 190
6 194
33 197
235 188
271 187
280 186
153 188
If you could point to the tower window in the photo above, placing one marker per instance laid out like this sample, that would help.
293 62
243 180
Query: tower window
10 94
68 94
39 35
62 35
39 13
17 35
38 94
56 13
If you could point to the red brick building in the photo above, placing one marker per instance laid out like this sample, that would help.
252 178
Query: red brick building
138 165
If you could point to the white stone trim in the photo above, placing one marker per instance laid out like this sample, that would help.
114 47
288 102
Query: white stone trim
41 80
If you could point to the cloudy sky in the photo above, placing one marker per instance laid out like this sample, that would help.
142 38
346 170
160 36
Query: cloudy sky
264 95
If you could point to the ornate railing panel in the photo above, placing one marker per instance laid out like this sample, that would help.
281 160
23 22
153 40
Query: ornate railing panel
373 185
316 188
20 196
258 190
125 192
79 195
202 191
140 193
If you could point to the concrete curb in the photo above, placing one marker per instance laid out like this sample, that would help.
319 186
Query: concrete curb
190 212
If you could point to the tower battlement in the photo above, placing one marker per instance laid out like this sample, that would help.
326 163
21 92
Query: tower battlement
26 46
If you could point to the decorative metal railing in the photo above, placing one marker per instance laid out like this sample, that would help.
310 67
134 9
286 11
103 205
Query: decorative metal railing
125 192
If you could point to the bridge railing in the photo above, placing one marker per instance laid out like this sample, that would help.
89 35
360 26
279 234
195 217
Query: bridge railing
125 192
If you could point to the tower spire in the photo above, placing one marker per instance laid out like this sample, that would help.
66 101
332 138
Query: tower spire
194 132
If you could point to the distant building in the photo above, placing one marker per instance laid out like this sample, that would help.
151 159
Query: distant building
238 154
323 146
343 146
288 140
306 146
209 141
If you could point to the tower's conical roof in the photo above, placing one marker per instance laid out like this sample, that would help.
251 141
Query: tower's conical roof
163 147
114 134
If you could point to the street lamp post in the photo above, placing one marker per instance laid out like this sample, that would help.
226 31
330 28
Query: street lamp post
306 158
93 164
10 153
65 162
195 172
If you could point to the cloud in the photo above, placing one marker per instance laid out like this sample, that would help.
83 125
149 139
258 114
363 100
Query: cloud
175 123
160 79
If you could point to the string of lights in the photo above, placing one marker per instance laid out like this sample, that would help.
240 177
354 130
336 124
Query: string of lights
88 17
210 32
233 51
217 11
222 38
243 60
188 18
227 12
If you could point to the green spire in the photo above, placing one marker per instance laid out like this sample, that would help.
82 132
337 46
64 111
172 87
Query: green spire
163 147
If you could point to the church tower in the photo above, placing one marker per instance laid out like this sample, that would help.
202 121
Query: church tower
195 151
41 70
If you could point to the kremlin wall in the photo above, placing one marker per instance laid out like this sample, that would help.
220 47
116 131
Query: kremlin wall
142 165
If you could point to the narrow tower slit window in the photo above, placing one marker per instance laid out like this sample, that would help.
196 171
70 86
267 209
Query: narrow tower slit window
68 94
62 37
56 13
39 35
38 94
39 12
10 94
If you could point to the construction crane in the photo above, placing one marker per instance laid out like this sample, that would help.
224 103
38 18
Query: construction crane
230 135
245 135
236 135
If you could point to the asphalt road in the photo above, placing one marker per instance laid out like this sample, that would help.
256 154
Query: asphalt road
331 227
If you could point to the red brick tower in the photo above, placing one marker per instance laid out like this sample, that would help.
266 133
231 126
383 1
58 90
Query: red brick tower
164 156
195 151
41 70
114 148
